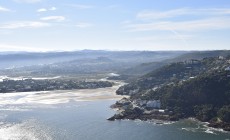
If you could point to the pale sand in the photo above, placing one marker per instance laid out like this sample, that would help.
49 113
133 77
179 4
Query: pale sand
61 96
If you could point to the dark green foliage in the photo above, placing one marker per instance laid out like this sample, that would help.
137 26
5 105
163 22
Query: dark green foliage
204 112
224 113
195 88
51 84
196 97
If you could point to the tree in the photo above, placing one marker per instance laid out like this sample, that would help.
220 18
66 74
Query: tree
224 113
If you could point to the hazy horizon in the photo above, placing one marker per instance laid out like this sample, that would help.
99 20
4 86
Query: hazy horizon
53 51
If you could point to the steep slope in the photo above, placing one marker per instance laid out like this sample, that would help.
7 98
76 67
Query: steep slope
145 68
196 88
175 72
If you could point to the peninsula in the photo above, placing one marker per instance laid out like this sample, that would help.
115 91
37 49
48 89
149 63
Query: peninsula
194 88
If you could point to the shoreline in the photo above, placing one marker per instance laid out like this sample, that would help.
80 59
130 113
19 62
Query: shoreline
127 110
61 96
12 86
204 125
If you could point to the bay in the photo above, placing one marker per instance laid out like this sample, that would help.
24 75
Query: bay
21 119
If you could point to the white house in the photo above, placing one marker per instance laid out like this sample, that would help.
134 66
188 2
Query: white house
227 69
131 92
154 104
221 57
140 102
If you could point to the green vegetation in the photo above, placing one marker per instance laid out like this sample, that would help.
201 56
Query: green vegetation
145 68
201 97
195 88
51 84
224 113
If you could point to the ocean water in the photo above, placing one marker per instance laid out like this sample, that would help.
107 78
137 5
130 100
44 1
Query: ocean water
21 119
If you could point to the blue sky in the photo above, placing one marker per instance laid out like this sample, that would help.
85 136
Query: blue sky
57 25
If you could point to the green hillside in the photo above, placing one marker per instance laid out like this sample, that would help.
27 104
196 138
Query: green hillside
193 88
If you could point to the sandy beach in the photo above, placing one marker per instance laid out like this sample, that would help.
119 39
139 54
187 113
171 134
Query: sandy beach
60 96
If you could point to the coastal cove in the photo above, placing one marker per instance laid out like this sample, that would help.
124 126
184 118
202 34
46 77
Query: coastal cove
82 114
194 88
115 70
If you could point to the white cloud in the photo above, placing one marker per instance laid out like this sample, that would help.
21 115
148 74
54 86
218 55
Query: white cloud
53 9
83 25
24 24
27 1
146 14
42 10
126 22
45 10
159 14
194 25
113 6
183 19
80 6
3 9
163 37
11 47
53 18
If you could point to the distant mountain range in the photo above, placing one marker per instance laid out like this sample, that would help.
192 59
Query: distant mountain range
145 68
79 62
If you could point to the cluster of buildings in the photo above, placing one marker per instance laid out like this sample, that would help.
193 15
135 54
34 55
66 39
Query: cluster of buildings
43 85
148 103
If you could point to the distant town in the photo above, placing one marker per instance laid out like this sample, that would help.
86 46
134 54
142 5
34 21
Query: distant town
26 85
